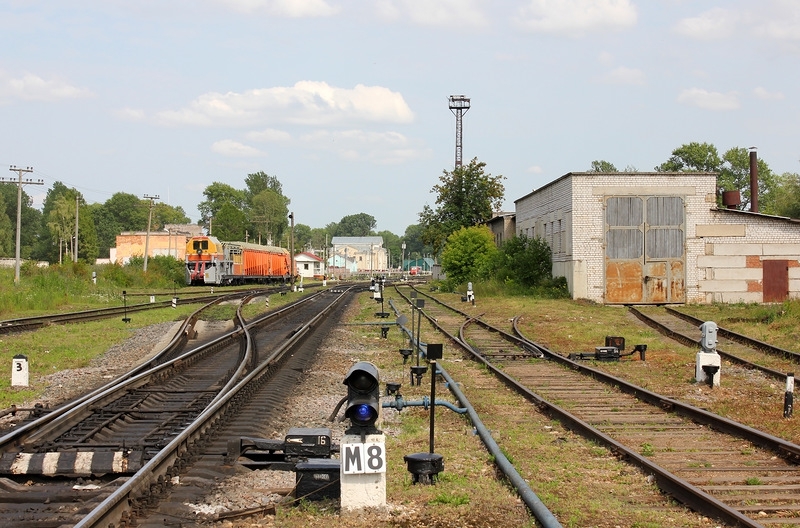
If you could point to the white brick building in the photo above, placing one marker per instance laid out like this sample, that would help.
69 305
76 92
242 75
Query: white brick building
656 238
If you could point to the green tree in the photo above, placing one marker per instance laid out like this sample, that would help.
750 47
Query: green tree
217 195
465 197
357 225
602 166
230 223
787 195
269 215
694 156
302 238
468 254
415 247
47 244
319 237
164 214
259 182
7 232
525 261
733 171
61 223
31 219
392 243
734 175
87 235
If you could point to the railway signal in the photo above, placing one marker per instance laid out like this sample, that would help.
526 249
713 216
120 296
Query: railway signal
363 398
363 447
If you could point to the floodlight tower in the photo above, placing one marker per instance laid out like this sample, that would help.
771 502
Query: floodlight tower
459 104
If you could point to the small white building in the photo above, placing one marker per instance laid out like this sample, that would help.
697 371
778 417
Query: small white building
658 238
309 265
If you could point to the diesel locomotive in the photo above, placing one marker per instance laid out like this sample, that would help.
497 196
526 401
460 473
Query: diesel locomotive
210 261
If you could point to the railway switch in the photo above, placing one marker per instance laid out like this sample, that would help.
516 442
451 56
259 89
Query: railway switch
612 351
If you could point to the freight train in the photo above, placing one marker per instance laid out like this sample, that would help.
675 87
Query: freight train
209 261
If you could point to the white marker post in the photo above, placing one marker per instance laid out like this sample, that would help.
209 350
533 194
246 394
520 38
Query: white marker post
363 477
19 371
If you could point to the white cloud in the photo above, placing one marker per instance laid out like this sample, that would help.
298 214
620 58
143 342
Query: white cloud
284 8
709 100
31 87
453 13
762 93
623 75
712 24
130 114
575 18
269 135
305 103
534 169
234 149
778 19
360 145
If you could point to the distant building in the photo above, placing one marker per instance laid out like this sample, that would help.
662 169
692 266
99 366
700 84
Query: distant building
658 238
367 253
170 241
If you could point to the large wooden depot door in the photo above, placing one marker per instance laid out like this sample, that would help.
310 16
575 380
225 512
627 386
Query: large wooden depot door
645 253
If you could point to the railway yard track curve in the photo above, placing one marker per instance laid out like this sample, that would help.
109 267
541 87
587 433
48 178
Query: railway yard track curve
138 459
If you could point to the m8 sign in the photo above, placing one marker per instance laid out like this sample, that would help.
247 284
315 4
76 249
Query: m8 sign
363 458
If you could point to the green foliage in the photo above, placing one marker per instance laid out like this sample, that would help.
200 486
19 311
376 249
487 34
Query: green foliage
357 225
786 195
465 197
693 156
602 166
230 223
269 215
469 254
163 271
444 497
733 170
524 261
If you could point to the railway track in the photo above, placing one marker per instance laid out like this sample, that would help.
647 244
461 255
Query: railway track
111 457
736 348
717 467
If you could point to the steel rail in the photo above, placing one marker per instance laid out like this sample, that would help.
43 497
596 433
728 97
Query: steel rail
677 487
15 436
115 506
733 358
740 338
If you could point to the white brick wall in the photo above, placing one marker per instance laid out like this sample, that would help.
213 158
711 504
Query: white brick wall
718 268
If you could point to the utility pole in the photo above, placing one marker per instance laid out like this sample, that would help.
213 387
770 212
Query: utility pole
77 206
20 183
291 247
149 220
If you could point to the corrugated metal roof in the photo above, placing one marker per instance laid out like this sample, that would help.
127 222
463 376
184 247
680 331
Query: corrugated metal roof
360 241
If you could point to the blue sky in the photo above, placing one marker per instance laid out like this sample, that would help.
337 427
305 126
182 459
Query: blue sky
346 102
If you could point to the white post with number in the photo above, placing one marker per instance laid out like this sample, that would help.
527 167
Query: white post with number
363 471
19 371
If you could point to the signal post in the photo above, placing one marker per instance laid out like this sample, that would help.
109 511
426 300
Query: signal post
363 449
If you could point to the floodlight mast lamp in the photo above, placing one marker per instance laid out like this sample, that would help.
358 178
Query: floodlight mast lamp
459 104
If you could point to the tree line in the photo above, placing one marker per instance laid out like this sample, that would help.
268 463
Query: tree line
466 198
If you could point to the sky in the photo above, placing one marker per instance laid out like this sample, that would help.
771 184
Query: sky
346 102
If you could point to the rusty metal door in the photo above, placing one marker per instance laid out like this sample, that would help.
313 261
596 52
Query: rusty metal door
776 280
644 250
